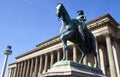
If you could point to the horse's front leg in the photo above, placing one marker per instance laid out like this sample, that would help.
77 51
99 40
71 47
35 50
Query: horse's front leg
64 43
64 38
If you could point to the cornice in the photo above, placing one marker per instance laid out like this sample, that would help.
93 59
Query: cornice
12 63
49 42
98 25
101 22
102 17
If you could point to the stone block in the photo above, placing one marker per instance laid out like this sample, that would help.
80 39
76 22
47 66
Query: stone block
72 69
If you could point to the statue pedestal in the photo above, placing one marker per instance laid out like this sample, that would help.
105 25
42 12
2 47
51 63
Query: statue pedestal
72 69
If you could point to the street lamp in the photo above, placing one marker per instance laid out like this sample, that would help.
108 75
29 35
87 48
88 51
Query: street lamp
7 52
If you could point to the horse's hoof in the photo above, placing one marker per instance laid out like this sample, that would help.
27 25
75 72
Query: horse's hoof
80 62
97 67
63 59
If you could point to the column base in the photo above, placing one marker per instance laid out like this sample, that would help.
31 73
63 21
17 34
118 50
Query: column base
72 69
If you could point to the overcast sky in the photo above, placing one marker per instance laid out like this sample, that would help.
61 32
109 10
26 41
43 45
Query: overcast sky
26 23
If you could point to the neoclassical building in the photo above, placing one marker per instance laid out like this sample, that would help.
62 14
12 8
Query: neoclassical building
36 62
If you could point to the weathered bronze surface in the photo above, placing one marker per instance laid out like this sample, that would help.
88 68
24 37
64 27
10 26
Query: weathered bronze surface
75 30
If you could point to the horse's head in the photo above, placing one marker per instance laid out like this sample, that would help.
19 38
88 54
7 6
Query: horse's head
60 10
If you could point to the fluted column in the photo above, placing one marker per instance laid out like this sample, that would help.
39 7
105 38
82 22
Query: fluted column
21 69
102 62
74 53
31 68
28 68
52 59
36 66
9 72
24 69
66 54
46 62
12 72
116 56
110 56
40 65
58 55
18 71
15 71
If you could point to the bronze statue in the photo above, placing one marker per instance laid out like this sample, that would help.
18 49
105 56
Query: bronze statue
75 30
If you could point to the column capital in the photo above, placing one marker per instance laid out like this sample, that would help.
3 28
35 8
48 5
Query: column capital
74 45
52 52
108 34
95 37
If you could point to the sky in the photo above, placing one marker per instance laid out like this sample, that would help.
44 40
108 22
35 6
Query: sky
26 23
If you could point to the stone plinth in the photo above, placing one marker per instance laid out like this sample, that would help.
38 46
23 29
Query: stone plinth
72 69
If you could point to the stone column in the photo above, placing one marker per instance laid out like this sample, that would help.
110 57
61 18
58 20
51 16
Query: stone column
18 71
24 69
116 56
9 72
113 72
102 62
58 55
52 59
74 53
40 65
85 60
46 62
66 54
21 69
36 66
31 68
12 72
15 71
28 68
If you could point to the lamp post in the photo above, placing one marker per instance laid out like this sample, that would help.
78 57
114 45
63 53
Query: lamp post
7 52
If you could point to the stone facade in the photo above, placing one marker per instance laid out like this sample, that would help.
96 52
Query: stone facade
39 60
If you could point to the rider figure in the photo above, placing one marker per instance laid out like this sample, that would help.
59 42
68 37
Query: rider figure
82 25
81 18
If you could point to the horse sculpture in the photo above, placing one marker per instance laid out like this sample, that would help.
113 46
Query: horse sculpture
69 31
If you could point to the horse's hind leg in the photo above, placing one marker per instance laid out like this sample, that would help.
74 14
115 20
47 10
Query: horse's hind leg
96 59
83 51
81 59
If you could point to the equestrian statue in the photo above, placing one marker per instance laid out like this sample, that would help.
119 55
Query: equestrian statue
76 31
